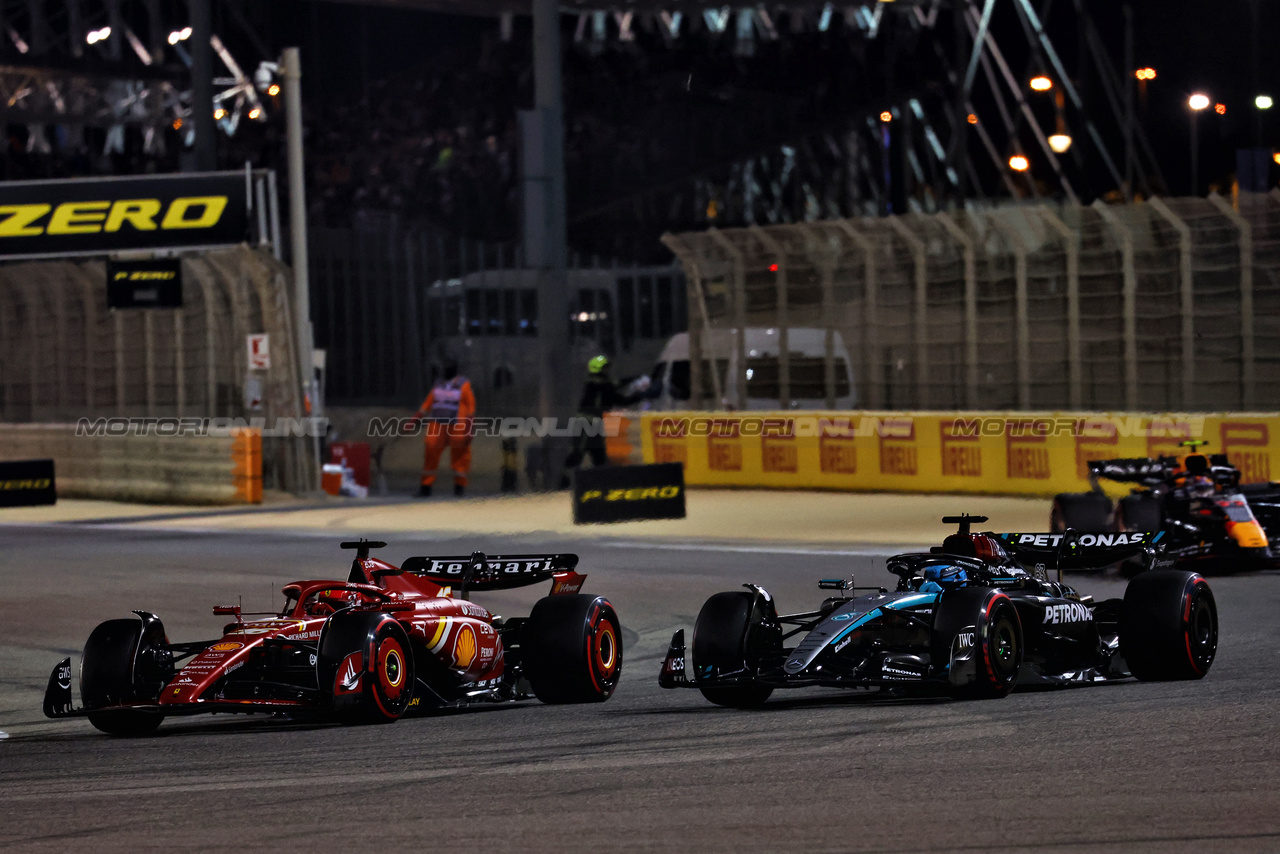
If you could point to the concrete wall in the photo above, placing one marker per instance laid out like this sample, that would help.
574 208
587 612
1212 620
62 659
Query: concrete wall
161 469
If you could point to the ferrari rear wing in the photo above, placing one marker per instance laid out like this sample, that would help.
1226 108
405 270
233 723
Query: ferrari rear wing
480 572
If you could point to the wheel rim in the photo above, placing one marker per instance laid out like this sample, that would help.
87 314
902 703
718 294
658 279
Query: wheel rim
1202 630
606 649
606 654
392 670
1004 650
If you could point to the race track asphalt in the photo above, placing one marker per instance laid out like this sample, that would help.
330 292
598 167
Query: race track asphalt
1191 766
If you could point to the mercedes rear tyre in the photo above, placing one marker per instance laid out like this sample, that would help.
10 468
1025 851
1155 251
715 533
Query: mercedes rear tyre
733 632
1089 512
1169 626
109 676
996 644
366 661
572 649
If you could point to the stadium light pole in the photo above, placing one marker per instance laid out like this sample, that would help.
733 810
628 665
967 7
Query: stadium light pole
291 68
544 226
1196 102
202 84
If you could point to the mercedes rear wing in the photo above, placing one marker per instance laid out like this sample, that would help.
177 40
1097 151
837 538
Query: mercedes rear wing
1077 550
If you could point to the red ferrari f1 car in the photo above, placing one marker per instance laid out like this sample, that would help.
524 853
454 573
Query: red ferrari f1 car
366 650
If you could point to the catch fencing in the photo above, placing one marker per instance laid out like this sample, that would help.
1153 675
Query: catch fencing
392 303
1166 305
66 356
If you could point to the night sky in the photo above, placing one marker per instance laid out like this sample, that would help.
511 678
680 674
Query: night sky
1195 45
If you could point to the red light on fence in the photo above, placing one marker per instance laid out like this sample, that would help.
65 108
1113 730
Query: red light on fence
773 268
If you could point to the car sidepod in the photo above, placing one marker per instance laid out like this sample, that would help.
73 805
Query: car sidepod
881 638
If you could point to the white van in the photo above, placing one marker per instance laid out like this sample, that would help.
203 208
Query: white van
760 374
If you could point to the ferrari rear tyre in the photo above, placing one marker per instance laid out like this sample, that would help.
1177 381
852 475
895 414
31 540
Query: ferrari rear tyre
729 638
1088 512
366 660
997 640
108 677
1169 626
572 649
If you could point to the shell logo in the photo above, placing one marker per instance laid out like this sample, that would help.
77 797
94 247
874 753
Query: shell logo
464 649
225 647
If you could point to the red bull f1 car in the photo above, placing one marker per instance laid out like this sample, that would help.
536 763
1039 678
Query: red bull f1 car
386 641
974 619
1196 500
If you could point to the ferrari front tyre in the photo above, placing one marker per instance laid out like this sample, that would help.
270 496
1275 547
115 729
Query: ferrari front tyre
109 677
572 649
997 648
1088 512
366 661
729 638
1169 626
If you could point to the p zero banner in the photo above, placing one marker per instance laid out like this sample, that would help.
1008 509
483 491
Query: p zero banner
997 453
26 483
144 284
102 215
625 493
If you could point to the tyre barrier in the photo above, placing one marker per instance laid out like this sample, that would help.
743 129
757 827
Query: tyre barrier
209 469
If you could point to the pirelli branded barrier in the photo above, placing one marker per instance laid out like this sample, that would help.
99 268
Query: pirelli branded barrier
210 469
998 453
27 483
627 493
101 215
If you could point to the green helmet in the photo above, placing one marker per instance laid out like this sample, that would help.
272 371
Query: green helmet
598 364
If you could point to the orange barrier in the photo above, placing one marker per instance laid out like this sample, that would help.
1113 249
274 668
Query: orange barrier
996 453
246 465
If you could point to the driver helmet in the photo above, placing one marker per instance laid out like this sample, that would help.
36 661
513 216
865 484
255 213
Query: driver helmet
598 364
941 576
1200 487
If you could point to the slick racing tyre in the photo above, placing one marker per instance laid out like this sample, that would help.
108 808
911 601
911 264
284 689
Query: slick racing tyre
732 633
119 666
572 647
1168 626
997 640
1089 512
1138 512
366 661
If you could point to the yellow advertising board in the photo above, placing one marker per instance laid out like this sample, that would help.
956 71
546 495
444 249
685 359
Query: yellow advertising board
995 453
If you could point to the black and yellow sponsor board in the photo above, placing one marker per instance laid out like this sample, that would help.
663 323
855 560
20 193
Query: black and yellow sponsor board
144 284
625 493
102 215
26 483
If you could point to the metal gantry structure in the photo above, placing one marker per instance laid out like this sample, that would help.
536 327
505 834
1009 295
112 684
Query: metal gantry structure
121 63
952 121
